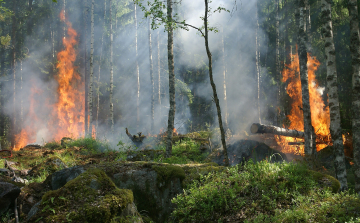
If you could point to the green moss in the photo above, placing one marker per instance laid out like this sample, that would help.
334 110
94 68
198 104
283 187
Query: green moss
193 172
325 180
91 197
166 173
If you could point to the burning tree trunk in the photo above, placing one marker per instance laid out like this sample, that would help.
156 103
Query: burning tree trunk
302 40
152 80
259 128
111 71
355 57
137 72
171 116
90 97
216 99
335 127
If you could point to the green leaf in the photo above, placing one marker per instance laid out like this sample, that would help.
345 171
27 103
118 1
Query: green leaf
54 1
52 199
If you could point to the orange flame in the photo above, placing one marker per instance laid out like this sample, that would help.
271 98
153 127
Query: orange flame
320 116
68 113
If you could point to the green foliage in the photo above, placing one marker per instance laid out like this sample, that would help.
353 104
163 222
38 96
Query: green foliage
91 144
186 151
181 88
270 192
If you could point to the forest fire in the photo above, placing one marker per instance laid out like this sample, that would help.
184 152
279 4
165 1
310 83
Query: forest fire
66 118
320 116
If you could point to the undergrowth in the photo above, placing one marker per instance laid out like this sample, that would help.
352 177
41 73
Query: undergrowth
264 192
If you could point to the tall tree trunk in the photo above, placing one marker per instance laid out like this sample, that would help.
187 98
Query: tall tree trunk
90 97
308 25
13 67
257 58
224 79
100 62
331 79
216 99
21 100
85 70
111 71
277 63
171 116
137 72
355 62
302 41
152 80
159 74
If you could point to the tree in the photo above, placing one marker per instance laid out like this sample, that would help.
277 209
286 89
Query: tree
335 127
355 62
90 97
151 79
111 71
137 71
302 41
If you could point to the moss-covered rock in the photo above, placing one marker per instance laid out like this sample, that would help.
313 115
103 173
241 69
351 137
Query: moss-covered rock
91 197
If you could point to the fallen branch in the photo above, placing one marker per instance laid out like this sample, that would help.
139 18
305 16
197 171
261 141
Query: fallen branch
259 128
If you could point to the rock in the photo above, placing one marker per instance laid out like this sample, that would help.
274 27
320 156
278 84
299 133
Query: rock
60 178
33 210
4 171
8 194
153 185
31 194
90 197
244 150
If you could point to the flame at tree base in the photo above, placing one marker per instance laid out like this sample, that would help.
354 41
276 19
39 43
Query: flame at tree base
320 116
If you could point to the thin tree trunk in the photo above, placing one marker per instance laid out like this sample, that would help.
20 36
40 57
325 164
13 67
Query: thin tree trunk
90 97
257 57
355 62
159 74
152 80
224 79
171 116
13 61
277 62
308 25
302 40
331 79
111 71
216 99
85 71
137 73
100 61
21 100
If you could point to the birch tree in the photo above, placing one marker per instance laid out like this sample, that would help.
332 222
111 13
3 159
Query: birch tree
355 62
111 71
335 128
137 71
90 97
151 79
302 41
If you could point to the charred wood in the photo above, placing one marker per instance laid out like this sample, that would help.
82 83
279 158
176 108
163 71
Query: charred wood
259 128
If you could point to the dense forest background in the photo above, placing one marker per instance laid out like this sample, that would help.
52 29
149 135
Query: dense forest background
255 39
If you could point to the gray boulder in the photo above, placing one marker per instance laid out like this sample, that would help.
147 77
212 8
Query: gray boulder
244 150
60 178
8 194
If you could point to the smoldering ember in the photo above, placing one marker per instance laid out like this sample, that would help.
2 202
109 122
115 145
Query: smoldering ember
179 111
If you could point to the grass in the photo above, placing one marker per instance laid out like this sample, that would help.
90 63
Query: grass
264 192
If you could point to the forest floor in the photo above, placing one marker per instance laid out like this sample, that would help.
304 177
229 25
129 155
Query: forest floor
248 192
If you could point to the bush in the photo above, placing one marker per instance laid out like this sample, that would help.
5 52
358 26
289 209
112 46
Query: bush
264 192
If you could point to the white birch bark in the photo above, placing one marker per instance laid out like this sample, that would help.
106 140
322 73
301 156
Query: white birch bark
302 41
111 71
90 97
152 127
137 72
331 79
